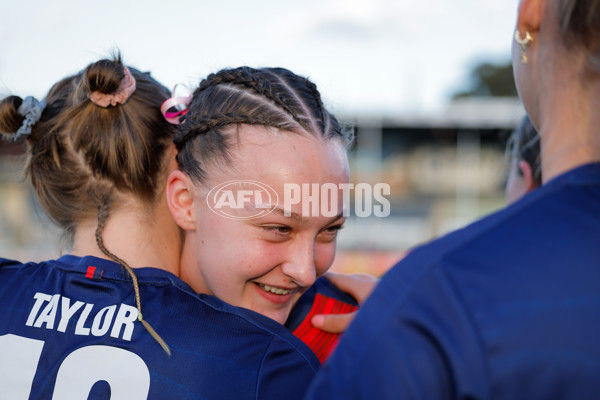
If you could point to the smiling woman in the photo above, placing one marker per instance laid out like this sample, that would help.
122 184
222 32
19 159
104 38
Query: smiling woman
276 257
269 127
99 154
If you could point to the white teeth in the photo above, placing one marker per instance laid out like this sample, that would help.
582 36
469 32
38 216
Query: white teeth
275 290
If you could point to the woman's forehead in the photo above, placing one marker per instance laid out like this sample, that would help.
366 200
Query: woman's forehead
264 151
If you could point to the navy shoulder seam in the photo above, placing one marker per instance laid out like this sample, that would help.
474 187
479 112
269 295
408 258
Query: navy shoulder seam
5 262
262 362
510 212
273 334
297 351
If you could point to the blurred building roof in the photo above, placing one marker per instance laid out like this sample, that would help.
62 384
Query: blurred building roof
464 113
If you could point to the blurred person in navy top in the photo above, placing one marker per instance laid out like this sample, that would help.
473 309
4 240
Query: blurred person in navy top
506 308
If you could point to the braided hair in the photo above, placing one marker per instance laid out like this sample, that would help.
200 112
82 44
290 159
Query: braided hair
83 158
272 97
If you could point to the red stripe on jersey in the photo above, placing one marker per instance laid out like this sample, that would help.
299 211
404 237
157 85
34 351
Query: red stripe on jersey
90 272
320 342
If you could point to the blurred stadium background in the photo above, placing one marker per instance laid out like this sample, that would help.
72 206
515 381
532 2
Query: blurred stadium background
444 170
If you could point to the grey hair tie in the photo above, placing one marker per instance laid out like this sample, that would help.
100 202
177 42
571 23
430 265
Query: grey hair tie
31 109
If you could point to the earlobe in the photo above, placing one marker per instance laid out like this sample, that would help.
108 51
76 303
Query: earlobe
180 199
527 174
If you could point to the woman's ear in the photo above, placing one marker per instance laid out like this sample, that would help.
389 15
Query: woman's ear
527 176
180 198
530 16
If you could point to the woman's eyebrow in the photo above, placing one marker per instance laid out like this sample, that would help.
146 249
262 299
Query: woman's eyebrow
300 218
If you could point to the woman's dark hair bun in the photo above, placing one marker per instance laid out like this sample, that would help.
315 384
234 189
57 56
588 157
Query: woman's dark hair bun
10 118
104 76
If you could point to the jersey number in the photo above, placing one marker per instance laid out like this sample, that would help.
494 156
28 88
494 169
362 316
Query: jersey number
124 371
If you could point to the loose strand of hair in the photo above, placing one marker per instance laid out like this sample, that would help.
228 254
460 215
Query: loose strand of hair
102 218
326 123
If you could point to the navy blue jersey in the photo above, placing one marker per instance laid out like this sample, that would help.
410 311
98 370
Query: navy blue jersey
69 330
507 308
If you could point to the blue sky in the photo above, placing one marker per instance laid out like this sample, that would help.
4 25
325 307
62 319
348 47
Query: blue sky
379 56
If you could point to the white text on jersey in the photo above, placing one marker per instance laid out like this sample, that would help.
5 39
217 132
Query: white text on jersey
101 321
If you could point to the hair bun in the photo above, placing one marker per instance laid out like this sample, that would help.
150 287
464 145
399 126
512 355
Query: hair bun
104 76
10 118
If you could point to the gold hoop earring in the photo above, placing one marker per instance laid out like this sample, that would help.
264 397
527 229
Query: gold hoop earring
524 43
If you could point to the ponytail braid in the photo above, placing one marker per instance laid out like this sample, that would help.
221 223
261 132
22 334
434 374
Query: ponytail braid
103 213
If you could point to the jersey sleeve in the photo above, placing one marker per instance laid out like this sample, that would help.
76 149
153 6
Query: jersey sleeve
322 298
285 373
412 339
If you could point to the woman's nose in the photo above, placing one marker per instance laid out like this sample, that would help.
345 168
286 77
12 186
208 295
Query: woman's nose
300 264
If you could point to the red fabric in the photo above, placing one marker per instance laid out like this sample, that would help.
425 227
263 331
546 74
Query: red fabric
90 272
94 273
320 342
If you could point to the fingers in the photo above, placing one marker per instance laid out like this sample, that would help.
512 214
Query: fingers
358 286
333 323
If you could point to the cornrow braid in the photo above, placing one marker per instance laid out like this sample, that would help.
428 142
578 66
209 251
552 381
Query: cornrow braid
248 77
307 97
103 213
209 123
292 92
273 97
317 97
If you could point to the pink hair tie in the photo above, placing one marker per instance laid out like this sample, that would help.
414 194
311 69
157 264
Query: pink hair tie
176 107
125 91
